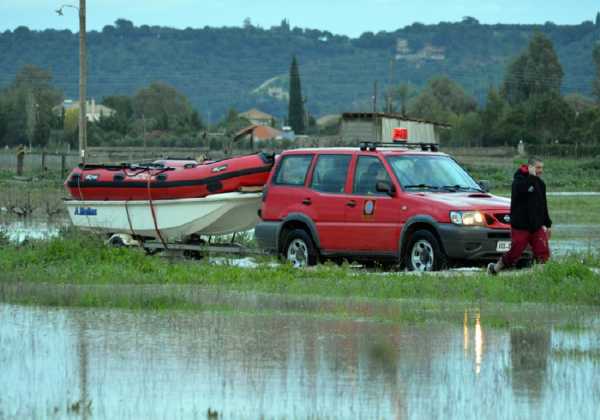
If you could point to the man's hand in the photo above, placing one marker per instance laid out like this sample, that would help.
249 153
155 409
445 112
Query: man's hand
531 169
548 232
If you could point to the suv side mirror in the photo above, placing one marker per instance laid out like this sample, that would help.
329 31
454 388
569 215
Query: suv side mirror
385 187
486 186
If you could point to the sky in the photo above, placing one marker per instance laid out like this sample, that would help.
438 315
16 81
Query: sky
346 17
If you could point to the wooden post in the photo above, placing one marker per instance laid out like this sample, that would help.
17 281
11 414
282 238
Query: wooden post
20 158
63 164
82 82
44 160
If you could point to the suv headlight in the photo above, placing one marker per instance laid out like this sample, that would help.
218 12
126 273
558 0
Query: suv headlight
467 218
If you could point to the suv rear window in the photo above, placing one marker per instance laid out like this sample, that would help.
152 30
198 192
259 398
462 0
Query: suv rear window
330 173
293 169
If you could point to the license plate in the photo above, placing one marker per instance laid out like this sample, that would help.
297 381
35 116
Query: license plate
503 246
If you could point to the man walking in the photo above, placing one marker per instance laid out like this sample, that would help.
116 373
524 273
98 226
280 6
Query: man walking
530 222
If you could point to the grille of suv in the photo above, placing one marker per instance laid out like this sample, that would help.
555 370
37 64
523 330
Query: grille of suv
503 218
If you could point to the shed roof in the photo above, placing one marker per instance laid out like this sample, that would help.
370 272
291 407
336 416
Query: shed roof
260 132
391 115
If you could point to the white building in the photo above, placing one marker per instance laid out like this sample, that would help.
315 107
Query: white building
93 111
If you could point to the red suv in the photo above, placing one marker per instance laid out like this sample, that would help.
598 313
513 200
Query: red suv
416 207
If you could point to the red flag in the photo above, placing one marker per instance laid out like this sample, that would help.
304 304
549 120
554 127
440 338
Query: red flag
400 134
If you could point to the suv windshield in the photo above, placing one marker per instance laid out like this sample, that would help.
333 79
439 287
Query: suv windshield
436 173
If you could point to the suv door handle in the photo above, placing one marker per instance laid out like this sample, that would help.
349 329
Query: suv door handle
307 202
351 203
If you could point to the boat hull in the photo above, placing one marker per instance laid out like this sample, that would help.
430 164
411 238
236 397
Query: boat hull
169 220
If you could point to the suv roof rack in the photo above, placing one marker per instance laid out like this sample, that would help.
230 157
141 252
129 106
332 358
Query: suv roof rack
426 147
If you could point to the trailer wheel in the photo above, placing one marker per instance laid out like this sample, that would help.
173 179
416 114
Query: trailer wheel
116 242
299 249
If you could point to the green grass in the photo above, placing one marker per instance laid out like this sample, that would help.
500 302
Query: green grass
79 260
570 210
560 174
574 210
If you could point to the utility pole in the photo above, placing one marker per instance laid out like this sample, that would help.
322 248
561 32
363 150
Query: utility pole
305 116
391 89
82 83
375 96
144 130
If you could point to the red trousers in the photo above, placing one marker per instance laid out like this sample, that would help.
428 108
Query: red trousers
520 239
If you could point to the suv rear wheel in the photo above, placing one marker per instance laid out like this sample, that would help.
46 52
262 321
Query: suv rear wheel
299 248
424 252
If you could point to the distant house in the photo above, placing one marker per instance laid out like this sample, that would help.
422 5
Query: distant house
258 133
93 111
257 117
378 126
428 52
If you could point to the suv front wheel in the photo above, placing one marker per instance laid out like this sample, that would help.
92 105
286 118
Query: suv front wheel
299 248
424 252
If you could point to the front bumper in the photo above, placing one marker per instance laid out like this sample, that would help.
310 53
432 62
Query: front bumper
471 242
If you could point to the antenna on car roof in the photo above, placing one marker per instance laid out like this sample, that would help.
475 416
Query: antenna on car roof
372 146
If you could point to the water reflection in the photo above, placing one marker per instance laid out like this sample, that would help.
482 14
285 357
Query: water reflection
121 364
478 344
478 339
529 350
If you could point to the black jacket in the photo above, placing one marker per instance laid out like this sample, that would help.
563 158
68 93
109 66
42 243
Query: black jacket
528 206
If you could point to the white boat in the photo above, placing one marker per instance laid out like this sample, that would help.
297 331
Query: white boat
217 214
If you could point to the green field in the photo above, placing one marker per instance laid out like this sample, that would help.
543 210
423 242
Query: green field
74 259
560 174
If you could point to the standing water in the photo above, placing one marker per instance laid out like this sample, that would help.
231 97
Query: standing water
143 364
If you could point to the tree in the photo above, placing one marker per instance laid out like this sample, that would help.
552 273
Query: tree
123 105
596 86
598 20
579 103
536 71
442 99
124 26
403 93
122 119
232 123
163 104
3 119
194 121
71 125
28 107
491 116
586 128
548 117
296 102
467 129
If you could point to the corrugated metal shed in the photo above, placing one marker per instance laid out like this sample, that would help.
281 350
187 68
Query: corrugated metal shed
372 126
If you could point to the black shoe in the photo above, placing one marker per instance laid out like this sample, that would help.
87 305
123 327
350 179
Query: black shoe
491 269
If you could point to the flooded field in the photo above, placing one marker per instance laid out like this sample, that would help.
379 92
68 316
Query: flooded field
127 364
20 230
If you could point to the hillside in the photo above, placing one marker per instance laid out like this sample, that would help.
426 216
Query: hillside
246 67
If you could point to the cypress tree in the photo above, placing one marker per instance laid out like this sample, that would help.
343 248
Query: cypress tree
296 104
596 82
598 20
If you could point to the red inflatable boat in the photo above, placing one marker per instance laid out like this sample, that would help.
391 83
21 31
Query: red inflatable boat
168 179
